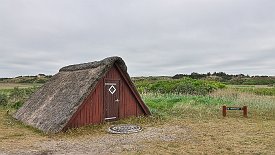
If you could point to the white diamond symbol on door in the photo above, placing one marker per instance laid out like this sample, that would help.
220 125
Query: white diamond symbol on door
112 89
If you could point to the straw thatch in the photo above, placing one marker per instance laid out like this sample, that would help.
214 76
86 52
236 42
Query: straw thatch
53 105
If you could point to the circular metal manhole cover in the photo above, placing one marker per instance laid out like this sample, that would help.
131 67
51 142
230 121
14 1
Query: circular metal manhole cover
124 129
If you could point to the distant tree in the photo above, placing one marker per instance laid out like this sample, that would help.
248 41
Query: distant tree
178 76
195 75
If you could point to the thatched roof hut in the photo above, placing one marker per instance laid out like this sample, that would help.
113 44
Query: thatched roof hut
83 94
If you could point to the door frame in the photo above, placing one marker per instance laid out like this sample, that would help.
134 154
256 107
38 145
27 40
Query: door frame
117 81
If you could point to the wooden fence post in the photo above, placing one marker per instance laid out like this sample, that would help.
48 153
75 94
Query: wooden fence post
245 111
224 111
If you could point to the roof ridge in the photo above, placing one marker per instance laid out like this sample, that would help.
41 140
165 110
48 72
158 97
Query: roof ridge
90 65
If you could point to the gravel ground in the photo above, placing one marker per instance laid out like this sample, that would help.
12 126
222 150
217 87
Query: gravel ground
108 143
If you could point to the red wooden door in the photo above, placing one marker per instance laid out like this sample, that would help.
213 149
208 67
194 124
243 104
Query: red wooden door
111 99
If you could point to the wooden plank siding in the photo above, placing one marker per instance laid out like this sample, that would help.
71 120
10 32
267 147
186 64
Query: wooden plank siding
90 112
92 109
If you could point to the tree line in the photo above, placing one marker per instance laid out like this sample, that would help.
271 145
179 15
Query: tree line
235 79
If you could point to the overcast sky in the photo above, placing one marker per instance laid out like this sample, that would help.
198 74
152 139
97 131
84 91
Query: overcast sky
154 37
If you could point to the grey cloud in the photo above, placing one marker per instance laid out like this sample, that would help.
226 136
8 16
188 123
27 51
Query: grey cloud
155 37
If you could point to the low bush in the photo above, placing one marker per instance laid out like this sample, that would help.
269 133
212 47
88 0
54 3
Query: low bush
3 99
178 86
17 104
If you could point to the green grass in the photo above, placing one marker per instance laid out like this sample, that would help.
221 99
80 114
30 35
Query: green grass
209 106
259 106
258 91
183 106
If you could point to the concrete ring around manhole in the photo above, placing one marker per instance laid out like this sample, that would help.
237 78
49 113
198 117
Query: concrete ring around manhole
124 129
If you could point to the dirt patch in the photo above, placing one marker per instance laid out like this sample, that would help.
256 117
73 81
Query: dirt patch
184 136
109 143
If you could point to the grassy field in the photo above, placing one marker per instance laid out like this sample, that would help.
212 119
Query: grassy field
12 85
186 106
180 124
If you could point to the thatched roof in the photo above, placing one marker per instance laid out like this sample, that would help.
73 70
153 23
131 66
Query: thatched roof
53 105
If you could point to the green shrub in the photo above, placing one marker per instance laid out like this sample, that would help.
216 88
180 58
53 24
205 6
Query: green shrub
3 99
17 96
17 104
179 86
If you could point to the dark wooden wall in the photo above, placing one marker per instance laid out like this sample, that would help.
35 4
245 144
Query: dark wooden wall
91 111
